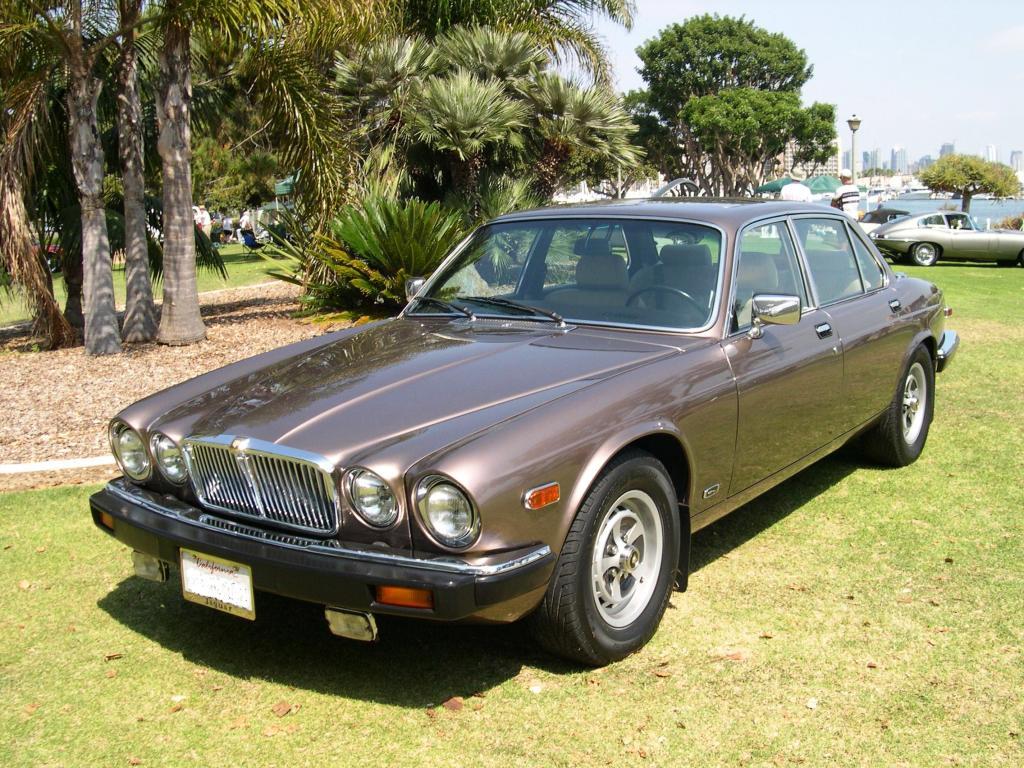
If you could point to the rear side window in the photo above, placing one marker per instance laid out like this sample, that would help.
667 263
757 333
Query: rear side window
870 270
830 258
768 264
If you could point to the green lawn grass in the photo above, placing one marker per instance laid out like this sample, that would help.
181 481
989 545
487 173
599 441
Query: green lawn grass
243 269
853 616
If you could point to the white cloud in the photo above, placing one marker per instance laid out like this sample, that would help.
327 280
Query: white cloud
1009 40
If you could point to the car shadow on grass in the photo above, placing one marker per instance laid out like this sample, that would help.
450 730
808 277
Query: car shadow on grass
414 663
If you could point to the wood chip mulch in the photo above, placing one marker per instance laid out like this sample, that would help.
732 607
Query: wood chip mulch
56 405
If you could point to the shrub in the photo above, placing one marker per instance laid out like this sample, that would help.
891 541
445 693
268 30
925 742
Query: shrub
369 252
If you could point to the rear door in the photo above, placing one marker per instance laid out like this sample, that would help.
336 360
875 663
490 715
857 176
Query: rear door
789 381
852 287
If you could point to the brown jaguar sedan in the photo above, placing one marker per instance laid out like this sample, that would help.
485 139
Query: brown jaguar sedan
560 406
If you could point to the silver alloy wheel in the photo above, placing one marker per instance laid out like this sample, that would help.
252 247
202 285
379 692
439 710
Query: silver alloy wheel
925 254
627 557
915 398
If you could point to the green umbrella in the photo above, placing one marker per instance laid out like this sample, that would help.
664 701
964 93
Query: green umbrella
774 186
820 184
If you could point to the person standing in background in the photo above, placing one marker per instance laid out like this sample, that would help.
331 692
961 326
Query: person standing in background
796 191
205 222
847 197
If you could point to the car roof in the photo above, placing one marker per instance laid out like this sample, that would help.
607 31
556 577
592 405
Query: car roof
724 212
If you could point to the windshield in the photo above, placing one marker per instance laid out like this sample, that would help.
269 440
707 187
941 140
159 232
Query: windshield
659 274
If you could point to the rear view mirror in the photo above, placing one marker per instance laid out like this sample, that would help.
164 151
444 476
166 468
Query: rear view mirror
772 309
412 287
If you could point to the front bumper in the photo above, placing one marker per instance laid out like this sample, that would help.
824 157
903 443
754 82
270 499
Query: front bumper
318 571
948 345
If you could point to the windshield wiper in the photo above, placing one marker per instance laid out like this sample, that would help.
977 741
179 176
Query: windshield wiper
445 305
500 302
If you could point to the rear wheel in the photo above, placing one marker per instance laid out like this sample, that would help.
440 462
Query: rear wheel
899 436
614 575
924 254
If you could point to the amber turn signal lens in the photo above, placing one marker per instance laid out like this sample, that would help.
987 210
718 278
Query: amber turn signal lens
107 520
541 497
406 597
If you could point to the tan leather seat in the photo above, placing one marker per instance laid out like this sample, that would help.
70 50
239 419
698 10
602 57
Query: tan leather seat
686 267
757 274
601 283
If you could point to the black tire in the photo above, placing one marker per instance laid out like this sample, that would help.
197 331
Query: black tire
569 621
887 442
924 254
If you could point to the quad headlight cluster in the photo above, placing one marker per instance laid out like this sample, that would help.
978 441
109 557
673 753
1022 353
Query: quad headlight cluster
136 462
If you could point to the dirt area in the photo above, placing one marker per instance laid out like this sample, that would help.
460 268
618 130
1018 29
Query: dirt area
56 405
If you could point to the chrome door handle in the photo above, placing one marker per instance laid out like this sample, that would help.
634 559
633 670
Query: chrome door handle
895 305
824 330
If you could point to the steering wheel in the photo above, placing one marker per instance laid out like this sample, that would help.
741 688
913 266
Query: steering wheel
682 237
701 309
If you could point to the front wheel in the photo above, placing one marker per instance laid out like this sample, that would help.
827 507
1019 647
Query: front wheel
924 254
614 576
899 436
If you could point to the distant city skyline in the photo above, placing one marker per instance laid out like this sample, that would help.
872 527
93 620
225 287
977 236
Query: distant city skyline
919 74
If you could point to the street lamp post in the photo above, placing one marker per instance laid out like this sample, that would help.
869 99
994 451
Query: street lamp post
854 123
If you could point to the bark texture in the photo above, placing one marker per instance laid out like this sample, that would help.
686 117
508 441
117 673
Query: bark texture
180 321
140 318
102 336
27 270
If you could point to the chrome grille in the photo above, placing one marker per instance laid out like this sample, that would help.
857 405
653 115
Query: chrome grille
263 481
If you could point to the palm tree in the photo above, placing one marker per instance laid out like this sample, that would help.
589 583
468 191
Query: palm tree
571 117
461 116
25 70
140 321
562 27
69 37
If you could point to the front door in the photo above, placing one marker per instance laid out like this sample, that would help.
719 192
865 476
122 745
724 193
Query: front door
789 381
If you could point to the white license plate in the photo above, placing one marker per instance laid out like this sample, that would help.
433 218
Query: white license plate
217 583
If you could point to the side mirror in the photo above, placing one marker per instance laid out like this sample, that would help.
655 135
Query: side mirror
772 309
412 287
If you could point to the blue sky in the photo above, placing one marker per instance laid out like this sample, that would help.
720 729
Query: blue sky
918 73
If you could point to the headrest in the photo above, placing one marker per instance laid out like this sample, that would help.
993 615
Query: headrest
757 272
594 246
691 256
605 272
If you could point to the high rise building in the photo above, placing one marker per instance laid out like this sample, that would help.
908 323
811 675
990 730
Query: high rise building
991 153
947 149
865 160
1017 160
898 160
847 161
924 162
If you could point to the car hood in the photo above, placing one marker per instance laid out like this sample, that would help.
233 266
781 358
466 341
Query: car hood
406 376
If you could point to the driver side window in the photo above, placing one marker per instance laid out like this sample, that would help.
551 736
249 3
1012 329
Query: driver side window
767 264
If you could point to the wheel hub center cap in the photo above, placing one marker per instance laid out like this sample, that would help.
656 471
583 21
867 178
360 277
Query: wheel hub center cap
629 559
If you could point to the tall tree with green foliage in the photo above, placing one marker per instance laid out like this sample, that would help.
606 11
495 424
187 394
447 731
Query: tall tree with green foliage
722 101
968 176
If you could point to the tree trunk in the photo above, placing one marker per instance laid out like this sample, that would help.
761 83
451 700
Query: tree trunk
73 287
965 201
180 321
102 336
548 171
28 271
140 312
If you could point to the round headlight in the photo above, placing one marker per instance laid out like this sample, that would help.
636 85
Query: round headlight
129 450
373 498
447 512
168 458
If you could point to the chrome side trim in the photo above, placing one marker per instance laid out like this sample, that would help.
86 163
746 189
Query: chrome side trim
185 513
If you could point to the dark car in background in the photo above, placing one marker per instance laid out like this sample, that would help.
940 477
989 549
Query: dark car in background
872 220
947 235
569 397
